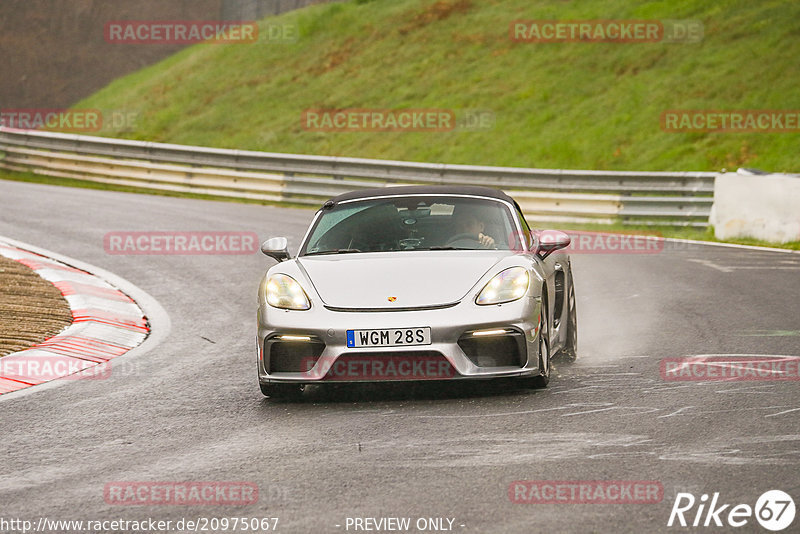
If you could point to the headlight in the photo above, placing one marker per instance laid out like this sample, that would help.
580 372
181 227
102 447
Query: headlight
283 291
506 286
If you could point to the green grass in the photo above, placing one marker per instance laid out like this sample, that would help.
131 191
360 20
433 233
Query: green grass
700 234
557 105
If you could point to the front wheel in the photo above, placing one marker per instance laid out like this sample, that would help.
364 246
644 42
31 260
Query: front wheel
281 391
543 378
570 350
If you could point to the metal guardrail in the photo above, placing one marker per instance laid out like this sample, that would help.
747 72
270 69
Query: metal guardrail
672 198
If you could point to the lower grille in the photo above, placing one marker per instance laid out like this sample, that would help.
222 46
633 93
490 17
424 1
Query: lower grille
379 366
506 350
292 356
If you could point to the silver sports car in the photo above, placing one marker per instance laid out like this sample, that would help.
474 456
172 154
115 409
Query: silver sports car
415 283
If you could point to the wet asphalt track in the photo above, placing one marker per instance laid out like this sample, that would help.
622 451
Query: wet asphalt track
190 409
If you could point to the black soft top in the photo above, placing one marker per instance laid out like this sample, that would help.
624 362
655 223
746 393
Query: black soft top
442 190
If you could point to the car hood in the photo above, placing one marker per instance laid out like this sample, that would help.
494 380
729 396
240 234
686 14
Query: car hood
414 279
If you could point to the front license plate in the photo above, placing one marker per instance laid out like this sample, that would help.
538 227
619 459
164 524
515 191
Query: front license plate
392 337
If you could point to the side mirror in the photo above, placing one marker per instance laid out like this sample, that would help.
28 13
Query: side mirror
551 240
277 248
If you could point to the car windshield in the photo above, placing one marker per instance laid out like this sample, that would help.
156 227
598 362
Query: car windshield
411 223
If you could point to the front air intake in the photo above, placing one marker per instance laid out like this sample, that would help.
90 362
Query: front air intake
502 350
292 356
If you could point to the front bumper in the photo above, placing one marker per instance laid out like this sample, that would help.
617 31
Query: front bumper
310 346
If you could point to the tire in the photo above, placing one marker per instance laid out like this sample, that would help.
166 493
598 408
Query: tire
281 391
570 350
543 378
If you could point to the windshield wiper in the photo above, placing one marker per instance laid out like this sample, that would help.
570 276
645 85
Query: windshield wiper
444 247
334 251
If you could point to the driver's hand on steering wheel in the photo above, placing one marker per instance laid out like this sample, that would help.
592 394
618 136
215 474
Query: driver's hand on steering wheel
486 241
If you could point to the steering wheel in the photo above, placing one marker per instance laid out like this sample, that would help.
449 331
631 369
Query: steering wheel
465 240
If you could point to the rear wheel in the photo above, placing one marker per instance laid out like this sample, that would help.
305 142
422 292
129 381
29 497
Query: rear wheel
570 350
281 391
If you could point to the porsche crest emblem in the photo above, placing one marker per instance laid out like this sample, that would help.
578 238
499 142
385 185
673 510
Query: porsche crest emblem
392 299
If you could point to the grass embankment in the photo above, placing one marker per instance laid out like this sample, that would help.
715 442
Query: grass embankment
556 105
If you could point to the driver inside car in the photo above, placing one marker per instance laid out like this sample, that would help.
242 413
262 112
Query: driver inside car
468 226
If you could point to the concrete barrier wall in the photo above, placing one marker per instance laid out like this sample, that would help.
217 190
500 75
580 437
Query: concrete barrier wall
765 207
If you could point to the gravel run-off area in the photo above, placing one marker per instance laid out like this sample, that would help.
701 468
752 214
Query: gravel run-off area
31 308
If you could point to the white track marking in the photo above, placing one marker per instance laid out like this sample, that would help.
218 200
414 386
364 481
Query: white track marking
709 263
590 411
783 412
676 412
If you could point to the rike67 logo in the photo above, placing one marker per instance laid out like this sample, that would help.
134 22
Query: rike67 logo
774 510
